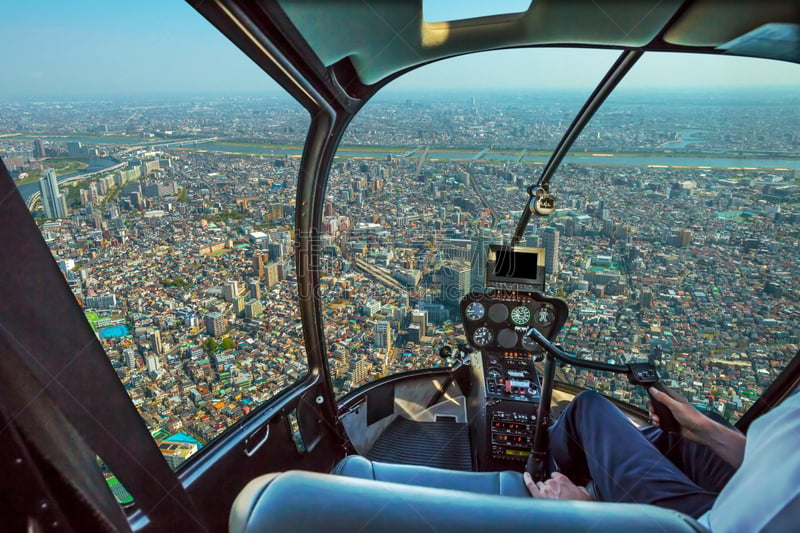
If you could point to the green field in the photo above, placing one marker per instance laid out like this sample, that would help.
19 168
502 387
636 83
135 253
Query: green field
61 166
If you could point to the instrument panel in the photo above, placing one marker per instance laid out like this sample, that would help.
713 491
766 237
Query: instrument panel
495 322
498 320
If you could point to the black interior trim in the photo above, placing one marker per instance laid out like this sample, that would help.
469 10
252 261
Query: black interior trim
73 367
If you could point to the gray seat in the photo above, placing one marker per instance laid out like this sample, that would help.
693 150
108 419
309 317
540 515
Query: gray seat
499 483
310 502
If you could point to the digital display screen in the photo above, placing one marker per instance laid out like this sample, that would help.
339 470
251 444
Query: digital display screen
515 264
520 453
511 264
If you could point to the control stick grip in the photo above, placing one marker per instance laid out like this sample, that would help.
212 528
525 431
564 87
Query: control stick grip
666 420
644 374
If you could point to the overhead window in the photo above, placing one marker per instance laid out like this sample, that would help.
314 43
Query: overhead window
447 10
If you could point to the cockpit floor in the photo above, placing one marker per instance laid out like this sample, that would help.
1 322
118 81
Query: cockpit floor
441 444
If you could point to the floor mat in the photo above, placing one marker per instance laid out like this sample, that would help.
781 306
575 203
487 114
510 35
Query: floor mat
439 444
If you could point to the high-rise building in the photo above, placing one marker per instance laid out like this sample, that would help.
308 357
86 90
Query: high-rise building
420 319
259 260
359 372
253 308
254 288
455 283
155 342
55 204
230 290
238 305
272 274
480 246
383 335
38 149
685 237
646 299
550 237
216 325
130 358
153 365
74 148
276 250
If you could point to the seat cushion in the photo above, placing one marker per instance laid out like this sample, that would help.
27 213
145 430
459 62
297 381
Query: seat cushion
500 483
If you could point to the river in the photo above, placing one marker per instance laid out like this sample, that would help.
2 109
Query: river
95 164
596 159
661 160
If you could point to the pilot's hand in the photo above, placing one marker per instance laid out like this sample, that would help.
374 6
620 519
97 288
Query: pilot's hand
691 420
558 487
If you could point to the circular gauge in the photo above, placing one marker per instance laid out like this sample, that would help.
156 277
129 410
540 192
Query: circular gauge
482 336
530 345
494 374
498 312
507 338
520 315
475 311
544 316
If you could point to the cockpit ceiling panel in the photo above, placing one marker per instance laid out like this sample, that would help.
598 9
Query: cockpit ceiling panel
711 23
382 37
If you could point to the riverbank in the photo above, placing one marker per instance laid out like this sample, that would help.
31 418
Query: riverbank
470 152
61 166
666 159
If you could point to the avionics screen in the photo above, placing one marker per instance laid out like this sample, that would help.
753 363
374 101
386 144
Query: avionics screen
522 265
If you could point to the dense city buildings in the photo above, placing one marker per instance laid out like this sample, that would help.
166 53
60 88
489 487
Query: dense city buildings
177 238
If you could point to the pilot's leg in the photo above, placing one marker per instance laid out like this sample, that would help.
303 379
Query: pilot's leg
592 439
698 462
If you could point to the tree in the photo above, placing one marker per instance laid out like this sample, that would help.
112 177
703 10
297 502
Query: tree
228 344
210 345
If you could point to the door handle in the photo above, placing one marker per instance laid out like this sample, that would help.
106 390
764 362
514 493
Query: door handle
256 440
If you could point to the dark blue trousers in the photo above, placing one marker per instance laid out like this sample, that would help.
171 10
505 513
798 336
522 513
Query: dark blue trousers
593 440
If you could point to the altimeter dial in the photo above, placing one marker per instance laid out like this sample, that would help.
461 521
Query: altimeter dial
482 336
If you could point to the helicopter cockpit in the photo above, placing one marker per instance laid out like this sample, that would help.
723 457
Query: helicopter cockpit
360 297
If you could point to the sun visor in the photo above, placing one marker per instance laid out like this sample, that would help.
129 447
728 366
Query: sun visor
773 41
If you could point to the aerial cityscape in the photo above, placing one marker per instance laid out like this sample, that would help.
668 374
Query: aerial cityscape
675 239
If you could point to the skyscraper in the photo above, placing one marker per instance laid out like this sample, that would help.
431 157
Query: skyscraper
258 264
455 283
55 204
254 288
550 237
38 149
480 245
383 335
216 325
272 274
230 290
155 342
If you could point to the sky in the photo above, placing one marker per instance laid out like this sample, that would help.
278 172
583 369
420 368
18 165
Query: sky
163 46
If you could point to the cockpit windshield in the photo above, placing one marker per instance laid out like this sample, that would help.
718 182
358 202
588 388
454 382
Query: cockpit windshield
673 222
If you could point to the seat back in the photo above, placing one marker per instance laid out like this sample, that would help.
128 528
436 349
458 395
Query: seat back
311 502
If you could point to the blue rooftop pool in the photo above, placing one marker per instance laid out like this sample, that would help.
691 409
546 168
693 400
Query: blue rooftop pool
114 331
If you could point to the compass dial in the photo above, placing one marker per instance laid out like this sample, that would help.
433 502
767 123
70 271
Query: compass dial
475 311
482 336
520 315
